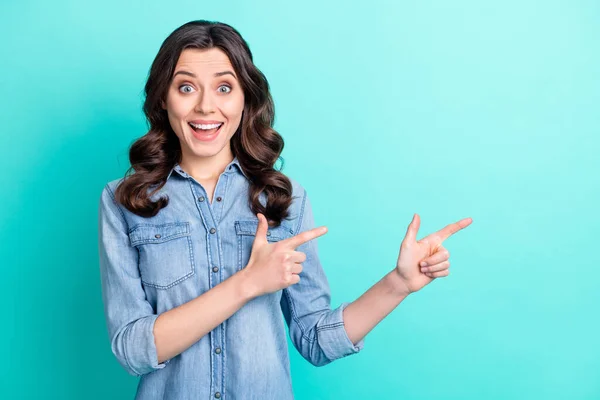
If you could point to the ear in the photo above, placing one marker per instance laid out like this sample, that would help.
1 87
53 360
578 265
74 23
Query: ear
163 105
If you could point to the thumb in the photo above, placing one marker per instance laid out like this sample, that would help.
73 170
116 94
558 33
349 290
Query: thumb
261 229
413 228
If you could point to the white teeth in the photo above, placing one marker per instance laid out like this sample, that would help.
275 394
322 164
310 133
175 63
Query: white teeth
205 127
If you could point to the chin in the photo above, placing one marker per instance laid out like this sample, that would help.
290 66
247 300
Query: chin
207 150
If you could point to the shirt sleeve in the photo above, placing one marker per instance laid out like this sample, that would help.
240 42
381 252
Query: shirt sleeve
129 317
316 330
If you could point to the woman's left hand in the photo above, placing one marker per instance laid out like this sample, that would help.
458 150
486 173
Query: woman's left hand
430 250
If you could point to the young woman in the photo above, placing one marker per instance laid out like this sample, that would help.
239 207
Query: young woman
205 246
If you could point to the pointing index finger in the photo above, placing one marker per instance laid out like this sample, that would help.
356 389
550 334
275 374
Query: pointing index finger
451 229
301 238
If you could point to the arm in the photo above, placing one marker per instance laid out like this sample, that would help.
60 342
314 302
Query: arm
141 340
316 330
179 328
374 305
362 315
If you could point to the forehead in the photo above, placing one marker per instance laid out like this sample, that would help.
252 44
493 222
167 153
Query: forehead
203 61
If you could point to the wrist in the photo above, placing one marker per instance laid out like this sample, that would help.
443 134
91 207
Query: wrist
398 284
246 288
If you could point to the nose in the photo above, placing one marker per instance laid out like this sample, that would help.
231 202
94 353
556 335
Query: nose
205 104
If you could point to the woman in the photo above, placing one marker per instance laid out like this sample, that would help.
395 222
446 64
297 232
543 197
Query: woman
194 278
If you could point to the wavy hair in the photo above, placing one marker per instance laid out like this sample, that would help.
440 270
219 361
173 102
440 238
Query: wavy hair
255 143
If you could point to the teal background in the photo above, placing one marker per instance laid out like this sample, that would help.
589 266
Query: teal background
487 110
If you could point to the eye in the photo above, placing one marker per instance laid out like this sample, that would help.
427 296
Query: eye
186 91
225 86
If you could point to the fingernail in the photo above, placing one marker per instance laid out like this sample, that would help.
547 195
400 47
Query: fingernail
423 264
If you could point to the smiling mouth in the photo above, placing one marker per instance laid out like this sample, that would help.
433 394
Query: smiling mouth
207 129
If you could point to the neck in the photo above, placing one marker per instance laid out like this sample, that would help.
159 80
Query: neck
207 168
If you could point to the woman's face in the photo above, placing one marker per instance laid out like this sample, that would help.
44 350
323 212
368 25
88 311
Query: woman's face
204 103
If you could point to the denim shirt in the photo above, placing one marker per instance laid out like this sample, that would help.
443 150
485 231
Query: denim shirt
151 265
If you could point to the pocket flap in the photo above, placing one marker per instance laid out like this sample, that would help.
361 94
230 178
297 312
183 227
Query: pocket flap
248 227
152 233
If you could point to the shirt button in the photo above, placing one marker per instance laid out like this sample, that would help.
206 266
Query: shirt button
218 395
268 233
157 236
219 198
201 198
218 350
215 269
212 230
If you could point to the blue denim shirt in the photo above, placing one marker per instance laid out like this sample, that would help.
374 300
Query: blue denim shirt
151 265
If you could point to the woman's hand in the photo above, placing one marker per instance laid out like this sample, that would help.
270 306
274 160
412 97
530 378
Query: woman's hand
275 266
429 250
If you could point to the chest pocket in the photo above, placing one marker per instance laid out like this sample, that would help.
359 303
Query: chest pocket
165 251
246 232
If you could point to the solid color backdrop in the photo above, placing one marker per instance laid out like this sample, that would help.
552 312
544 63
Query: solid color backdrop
455 109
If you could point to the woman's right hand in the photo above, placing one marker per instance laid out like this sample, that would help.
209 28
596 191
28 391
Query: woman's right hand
275 266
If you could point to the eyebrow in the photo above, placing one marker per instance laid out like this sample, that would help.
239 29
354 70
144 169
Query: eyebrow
182 72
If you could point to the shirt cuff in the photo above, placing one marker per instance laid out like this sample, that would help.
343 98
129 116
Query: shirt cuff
333 338
142 357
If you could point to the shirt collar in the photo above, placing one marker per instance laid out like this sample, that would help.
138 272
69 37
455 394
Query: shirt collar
232 167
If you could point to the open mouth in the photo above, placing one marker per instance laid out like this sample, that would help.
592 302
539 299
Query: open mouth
205 130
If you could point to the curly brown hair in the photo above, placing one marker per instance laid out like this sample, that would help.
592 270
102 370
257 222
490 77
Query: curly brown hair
255 143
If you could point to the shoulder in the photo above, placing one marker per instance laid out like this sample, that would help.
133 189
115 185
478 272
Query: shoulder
107 195
111 186
298 205
298 191
298 195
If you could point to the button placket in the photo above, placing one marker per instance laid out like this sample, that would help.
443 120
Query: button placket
219 195
207 217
